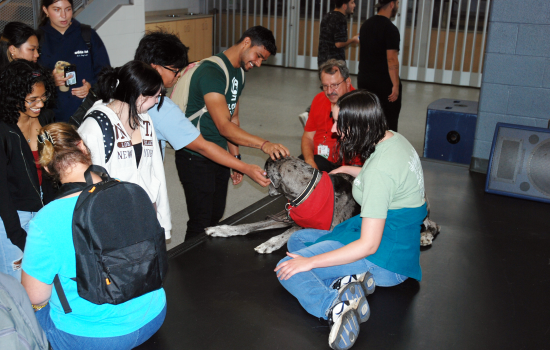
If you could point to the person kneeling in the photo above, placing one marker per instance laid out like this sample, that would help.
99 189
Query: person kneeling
330 273
50 252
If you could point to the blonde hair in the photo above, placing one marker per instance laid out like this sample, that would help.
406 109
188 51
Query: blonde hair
58 149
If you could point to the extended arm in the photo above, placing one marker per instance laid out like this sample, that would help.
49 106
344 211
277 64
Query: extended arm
393 67
217 154
354 39
217 107
347 169
367 244
308 148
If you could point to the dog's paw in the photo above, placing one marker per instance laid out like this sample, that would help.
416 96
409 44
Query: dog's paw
270 245
426 239
221 231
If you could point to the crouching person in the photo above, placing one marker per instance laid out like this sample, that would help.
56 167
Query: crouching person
331 273
50 259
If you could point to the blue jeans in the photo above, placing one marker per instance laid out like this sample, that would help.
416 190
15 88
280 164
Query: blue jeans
312 288
10 254
61 340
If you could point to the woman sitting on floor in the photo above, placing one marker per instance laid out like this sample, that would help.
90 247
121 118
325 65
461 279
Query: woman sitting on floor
133 154
25 91
330 273
50 251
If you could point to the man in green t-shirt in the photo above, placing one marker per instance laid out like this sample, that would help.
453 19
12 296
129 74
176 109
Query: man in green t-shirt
205 182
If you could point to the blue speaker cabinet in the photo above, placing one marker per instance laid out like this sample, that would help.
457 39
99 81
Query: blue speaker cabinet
450 130
520 162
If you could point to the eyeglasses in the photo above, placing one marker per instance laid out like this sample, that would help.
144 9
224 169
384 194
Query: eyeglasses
175 71
332 86
44 99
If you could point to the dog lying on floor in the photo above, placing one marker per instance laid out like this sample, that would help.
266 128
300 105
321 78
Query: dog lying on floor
296 180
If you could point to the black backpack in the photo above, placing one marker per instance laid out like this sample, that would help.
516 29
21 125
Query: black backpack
119 244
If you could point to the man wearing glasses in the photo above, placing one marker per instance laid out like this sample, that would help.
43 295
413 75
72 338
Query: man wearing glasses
318 142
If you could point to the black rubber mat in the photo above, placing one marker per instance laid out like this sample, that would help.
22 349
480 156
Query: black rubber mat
486 282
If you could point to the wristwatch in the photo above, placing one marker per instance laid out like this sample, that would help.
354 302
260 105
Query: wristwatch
238 156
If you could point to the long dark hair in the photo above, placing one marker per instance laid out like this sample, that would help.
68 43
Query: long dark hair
16 82
46 3
127 83
361 125
15 34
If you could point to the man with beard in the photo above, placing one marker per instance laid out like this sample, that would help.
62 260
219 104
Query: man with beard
333 35
379 62
205 182
318 141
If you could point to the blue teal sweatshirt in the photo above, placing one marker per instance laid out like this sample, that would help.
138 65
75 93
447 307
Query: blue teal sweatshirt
72 48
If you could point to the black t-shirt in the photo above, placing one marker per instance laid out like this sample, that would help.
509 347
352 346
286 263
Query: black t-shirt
377 35
334 29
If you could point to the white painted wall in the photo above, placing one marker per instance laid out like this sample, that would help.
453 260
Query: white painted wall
123 31
160 5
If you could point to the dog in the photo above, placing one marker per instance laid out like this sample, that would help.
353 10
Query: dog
291 177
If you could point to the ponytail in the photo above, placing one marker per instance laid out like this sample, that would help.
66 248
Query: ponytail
58 146
107 83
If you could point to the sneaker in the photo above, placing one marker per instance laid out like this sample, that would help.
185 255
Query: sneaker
349 288
367 282
344 323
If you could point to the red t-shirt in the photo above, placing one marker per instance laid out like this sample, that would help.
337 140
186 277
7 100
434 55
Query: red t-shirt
38 167
319 120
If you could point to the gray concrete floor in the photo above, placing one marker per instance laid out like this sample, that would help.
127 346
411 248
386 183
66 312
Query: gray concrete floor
269 107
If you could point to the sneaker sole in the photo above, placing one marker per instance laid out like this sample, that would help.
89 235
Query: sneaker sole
354 291
344 333
367 282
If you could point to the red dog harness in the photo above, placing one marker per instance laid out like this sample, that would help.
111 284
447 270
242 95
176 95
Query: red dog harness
315 211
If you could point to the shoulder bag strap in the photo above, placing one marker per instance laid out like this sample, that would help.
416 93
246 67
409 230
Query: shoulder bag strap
61 295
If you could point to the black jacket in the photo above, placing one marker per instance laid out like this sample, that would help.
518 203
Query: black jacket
19 185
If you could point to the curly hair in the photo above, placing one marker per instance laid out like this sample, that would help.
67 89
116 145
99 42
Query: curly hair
162 48
360 126
16 82
60 150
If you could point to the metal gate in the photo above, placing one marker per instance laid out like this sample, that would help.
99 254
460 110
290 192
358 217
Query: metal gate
442 41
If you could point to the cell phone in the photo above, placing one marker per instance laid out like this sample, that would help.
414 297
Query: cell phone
70 70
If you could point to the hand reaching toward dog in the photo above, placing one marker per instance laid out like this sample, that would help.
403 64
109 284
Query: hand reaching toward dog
347 169
257 174
291 267
275 150
236 177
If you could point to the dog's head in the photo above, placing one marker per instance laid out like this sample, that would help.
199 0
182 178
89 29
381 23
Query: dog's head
289 176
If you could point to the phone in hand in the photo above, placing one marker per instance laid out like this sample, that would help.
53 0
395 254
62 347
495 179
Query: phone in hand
70 71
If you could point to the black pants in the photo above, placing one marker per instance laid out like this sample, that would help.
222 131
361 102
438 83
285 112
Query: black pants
391 109
205 185
322 163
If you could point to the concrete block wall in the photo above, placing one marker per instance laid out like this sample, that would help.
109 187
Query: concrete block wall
516 78
122 32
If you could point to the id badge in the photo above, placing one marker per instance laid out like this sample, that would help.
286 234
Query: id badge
323 151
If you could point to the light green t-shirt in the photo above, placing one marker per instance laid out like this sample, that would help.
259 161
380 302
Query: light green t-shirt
209 77
390 179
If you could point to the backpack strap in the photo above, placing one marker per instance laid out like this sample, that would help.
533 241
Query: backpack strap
61 295
86 32
108 131
219 61
70 188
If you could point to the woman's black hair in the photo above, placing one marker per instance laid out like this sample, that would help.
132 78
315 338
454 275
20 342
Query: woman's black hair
361 125
16 82
15 34
127 83
46 3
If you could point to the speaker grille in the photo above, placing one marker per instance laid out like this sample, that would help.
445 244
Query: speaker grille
508 159
538 168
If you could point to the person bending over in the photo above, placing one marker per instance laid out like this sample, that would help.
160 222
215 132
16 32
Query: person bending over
26 89
205 182
330 273
318 141
18 41
133 154
168 55
50 251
